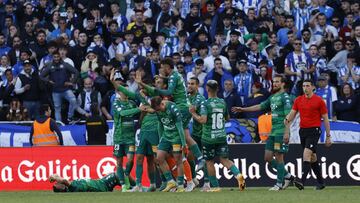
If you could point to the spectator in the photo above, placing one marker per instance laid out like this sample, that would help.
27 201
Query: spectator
16 111
45 60
283 32
4 65
145 49
44 131
4 49
243 81
253 56
317 55
58 75
164 49
152 65
231 98
219 74
255 98
134 60
28 87
345 106
350 73
87 97
339 59
96 127
321 29
132 85
123 48
63 51
25 54
62 28
209 61
298 65
327 93
198 73
78 52
39 47
117 16
90 67
14 53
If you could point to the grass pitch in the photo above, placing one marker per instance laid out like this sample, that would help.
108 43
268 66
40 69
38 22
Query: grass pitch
250 195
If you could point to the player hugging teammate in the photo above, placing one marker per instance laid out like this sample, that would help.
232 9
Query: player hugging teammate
164 112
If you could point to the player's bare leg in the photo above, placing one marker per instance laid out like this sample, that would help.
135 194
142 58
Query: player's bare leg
239 177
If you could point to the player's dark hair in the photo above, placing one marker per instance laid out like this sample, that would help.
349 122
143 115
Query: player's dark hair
155 102
310 81
196 80
44 108
167 61
282 77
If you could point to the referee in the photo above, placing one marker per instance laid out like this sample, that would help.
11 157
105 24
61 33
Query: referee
312 109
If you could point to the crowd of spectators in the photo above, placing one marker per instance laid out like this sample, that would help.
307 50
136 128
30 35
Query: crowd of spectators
61 52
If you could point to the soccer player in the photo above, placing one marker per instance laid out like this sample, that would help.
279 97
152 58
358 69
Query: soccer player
176 88
149 139
280 104
105 184
195 100
312 109
213 113
124 136
172 140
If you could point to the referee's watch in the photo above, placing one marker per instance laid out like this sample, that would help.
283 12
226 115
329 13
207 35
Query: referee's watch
328 135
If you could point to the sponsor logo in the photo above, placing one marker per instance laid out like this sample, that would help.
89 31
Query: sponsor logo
353 167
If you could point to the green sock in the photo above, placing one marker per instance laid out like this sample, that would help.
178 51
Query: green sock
234 170
127 182
213 181
139 172
152 177
206 176
180 180
192 167
128 168
280 173
274 164
196 151
168 176
120 174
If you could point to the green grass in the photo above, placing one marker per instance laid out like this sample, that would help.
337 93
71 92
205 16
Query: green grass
330 194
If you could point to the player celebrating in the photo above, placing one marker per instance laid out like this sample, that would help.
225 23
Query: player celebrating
105 184
213 113
176 88
195 100
280 104
172 140
124 136
149 139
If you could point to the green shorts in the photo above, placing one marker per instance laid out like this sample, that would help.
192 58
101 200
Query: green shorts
167 146
276 144
149 141
210 151
186 116
121 150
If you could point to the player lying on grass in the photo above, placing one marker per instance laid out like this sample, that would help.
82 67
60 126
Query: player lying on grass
213 114
105 184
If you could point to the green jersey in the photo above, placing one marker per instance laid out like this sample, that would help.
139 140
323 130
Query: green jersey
196 101
171 124
124 125
106 184
176 88
214 129
150 119
280 105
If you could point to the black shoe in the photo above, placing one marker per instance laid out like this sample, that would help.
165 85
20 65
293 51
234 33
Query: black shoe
320 187
298 184
288 182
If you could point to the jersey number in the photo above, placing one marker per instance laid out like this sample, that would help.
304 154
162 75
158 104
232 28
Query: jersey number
217 121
